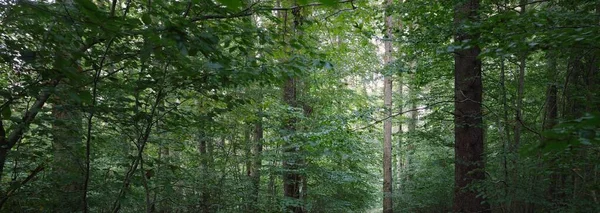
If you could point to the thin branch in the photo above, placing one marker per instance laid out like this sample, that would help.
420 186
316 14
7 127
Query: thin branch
31 175
529 128
404 112
251 10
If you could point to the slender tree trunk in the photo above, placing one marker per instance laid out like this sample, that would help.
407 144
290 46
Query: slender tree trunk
412 127
256 168
520 91
504 131
399 159
387 124
468 148
205 155
551 109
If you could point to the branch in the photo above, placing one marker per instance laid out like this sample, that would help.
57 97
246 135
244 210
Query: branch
245 12
250 11
404 112
17 133
31 175
528 128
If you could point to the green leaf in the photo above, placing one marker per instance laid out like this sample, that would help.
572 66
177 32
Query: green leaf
87 4
6 112
147 19
86 97
233 4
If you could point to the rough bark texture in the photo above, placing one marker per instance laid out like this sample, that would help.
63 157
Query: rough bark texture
387 124
291 177
468 147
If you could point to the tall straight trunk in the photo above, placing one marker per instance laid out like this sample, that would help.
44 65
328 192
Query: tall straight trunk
551 109
550 120
520 91
257 149
504 131
399 159
412 126
387 124
291 177
203 147
67 146
468 131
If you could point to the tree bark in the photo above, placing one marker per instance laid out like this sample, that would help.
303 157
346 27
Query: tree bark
387 124
68 158
291 177
399 159
468 88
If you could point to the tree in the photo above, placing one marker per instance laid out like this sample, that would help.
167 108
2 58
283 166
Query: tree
387 124
468 130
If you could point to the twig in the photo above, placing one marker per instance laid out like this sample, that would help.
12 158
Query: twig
404 112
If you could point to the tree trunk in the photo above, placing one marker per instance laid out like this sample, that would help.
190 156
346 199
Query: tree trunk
412 127
387 124
205 155
468 147
292 179
399 159
520 91
67 144
256 173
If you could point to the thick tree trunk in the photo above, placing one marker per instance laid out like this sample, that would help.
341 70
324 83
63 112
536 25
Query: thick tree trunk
387 124
468 148
291 177
68 168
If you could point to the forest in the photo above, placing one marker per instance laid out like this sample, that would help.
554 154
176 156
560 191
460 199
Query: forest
300 106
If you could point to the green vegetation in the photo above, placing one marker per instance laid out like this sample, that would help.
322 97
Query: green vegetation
299 106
